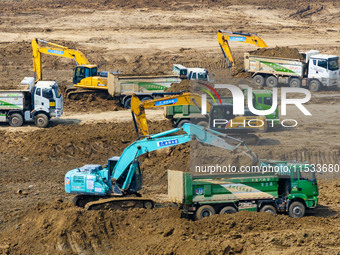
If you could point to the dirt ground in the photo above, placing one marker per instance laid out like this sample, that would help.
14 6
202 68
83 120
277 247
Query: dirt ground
148 37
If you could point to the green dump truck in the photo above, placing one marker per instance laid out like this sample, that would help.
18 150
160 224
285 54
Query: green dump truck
291 188
262 100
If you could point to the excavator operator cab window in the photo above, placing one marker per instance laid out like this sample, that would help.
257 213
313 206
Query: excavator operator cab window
94 71
87 72
79 74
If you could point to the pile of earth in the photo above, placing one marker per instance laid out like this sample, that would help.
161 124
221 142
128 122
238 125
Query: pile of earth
82 141
59 227
184 85
280 52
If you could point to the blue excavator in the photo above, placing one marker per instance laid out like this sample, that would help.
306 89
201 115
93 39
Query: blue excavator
116 185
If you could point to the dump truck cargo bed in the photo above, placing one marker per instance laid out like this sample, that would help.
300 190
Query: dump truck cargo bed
273 65
119 85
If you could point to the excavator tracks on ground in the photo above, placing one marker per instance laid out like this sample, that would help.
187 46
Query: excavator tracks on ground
74 93
117 203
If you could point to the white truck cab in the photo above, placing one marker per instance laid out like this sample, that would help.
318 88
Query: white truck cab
323 67
31 101
196 73
47 98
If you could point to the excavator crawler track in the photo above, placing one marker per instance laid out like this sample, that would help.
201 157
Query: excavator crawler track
74 93
116 203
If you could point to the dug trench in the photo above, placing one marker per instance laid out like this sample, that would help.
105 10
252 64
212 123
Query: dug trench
38 217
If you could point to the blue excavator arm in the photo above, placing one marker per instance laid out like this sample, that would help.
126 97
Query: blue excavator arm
94 180
127 161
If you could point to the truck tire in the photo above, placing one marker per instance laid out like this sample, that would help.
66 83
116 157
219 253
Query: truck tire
146 98
16 120
258 80
127 103
204 211
295 83
228 209
272 82
314 85
297 209
182 122
269 209
41 120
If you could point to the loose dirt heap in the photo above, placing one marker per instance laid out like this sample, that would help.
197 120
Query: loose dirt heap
182 86
280 52
58 227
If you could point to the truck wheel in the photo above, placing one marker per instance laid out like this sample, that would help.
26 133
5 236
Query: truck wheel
146 98
182 122
228 209
295 83
314 85
41 120
271 82
258 80
127 103
204 211
203 124
16 120
269 209
297 210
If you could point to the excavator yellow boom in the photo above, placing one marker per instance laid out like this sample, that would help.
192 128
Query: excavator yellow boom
56 50
138 107
186 98
224 37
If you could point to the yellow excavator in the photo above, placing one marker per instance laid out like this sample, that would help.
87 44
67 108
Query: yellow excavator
232 125
224 37
86 75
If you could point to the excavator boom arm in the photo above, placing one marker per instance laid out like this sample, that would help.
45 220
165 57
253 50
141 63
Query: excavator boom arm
125 167
138 107
224 37
55 50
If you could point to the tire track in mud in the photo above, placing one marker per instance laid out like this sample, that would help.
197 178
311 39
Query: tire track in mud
313 156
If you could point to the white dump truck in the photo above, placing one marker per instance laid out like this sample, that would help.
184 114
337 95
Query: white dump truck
31 101
122 86
312 70
192 73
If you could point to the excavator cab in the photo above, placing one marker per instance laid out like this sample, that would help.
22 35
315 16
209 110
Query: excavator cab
82 72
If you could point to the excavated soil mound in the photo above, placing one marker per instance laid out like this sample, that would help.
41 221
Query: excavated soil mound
59 227
81 141
280 52
176 87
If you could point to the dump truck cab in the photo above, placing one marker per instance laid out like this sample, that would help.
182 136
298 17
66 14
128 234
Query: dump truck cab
263 100
47 99
197 73
325 68
297 182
